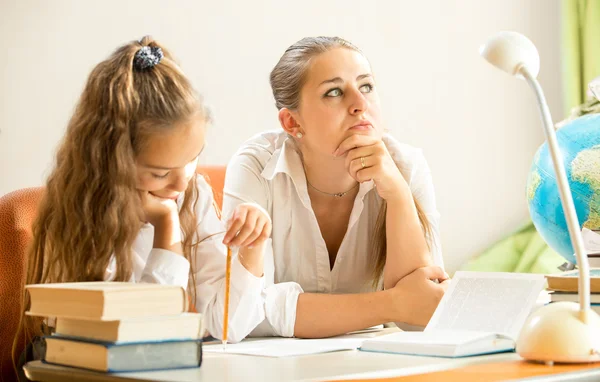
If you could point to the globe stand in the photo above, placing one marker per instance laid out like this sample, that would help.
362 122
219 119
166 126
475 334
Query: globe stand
561 331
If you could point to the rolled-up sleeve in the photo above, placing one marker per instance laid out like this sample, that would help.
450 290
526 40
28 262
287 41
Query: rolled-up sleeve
280 310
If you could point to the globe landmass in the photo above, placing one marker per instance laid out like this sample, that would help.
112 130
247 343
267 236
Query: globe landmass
579 143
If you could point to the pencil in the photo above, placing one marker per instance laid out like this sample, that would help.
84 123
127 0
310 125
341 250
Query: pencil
227 284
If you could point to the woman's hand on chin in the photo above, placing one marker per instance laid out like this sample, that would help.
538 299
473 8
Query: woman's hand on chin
367 159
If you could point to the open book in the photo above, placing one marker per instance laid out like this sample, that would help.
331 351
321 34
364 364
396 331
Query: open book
480 313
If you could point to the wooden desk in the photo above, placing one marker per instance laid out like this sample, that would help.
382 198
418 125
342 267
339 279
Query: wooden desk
503 371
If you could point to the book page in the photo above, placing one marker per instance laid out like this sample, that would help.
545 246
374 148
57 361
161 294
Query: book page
494 302
446 338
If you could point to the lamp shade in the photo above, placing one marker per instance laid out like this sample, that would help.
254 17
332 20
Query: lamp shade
509 51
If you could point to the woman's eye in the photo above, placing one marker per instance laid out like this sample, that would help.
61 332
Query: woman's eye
366 88
157 176
334 93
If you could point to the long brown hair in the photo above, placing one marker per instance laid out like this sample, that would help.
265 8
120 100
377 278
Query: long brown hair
91 210
287 79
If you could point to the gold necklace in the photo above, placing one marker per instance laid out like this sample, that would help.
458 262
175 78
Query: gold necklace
337 194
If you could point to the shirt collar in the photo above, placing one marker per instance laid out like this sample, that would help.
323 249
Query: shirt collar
287 160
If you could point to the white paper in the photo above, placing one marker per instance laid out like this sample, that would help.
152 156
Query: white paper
287 347
591 241
493 302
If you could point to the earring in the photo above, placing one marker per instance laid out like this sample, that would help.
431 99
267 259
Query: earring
299 135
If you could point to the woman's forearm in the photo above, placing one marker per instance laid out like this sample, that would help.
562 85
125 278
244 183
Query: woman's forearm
326 315
252 259
407 247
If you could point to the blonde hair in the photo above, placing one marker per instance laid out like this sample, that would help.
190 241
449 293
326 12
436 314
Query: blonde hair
91 210
287 80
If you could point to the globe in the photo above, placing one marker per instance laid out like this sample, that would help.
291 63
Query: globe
579 143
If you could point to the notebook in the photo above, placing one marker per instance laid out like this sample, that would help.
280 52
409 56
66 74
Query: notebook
287 347
105 300
481 313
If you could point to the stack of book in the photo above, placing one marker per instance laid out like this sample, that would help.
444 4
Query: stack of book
564 287
118 326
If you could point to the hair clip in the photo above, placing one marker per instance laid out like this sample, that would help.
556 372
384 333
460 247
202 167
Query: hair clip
147 57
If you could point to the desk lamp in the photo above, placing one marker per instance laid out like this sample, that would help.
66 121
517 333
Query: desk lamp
561 331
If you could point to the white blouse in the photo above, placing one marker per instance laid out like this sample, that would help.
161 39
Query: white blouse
154 265
267 170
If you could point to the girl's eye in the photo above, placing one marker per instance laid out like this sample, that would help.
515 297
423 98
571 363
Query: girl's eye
366 88
334 93
160 176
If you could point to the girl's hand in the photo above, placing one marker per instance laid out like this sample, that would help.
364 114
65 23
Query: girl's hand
164 216
367 158
159 211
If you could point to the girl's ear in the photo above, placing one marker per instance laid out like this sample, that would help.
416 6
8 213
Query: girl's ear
289 123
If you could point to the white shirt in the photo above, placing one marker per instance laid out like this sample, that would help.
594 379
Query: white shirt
267 170
154 265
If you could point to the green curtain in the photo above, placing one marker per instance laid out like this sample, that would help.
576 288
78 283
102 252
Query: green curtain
580 53
525 250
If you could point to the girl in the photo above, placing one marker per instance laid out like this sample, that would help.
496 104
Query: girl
124 202
355 242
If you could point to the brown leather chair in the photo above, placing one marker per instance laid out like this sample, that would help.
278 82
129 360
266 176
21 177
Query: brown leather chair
17 213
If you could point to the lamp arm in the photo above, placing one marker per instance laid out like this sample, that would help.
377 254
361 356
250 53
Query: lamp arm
566 198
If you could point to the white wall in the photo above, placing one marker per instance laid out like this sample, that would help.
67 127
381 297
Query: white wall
478 127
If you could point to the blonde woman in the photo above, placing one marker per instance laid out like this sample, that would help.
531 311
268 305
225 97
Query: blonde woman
355 238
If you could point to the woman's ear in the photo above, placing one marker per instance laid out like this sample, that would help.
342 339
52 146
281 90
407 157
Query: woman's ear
289 123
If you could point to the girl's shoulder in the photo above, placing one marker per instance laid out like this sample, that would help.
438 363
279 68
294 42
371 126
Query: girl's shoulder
205 197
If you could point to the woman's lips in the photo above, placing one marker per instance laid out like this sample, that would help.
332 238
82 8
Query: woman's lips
364 124
362 127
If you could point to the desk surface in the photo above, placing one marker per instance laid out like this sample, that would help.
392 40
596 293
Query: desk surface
350 364
229 367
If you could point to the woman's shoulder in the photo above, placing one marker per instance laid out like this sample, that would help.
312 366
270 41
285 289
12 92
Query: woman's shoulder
266 142
408 158
259 149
